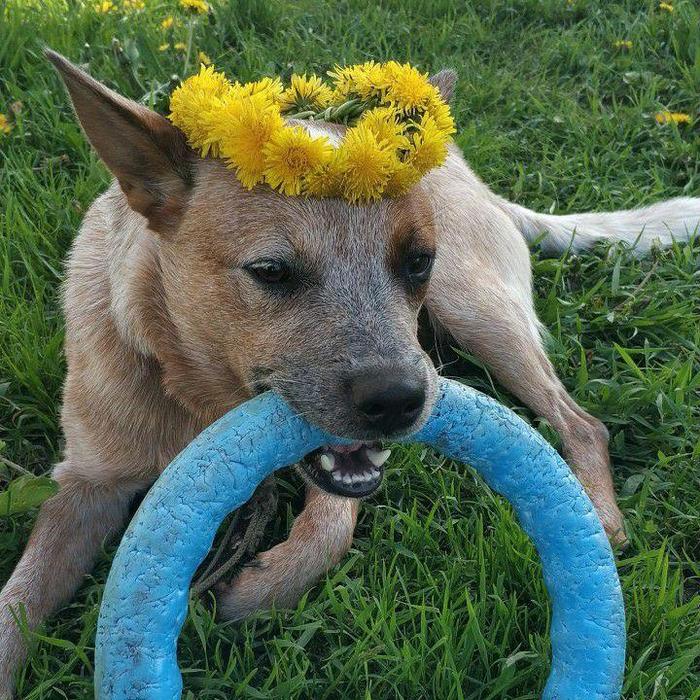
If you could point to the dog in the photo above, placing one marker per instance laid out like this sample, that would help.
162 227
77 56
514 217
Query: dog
186 295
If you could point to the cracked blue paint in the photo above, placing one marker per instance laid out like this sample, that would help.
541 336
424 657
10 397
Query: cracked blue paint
145 599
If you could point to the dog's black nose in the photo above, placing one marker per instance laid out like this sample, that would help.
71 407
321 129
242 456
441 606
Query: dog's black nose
388 400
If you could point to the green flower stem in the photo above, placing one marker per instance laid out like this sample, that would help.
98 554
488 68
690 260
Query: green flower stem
308 114
188 53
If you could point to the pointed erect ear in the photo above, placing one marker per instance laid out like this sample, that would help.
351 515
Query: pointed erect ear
445 82
149 156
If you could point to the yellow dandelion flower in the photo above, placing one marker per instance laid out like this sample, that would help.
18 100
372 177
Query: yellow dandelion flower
342 81
440 111
403 177
163 47
105 6
666 6
672 118
365 164
364 80
167 23
242 129
270 88
198 6
622 44
5 125
337 97
290 154
180 46
327 180
391 146
133 5
305 94
408 89
429 146
197 97
385 124
370 79
203 58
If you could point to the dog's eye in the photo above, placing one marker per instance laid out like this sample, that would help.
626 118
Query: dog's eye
269 271
417 267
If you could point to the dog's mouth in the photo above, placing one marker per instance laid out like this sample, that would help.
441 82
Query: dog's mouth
354 470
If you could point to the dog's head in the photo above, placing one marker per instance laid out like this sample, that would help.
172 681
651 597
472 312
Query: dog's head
317 299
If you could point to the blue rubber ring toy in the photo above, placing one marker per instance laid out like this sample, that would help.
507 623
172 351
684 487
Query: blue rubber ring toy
146 595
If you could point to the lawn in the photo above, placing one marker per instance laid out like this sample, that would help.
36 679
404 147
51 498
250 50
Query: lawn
441 596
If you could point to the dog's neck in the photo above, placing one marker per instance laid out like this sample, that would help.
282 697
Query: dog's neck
133 271
140 312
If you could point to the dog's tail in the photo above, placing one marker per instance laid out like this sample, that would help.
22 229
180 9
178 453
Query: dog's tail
659 224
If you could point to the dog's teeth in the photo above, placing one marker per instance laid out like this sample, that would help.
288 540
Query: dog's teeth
327 462
375 473
357 479
366 476
378 457
336 476
347 479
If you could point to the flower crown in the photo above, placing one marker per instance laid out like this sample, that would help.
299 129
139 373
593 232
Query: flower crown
399 129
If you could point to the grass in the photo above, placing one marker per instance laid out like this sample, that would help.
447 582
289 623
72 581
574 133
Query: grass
441 596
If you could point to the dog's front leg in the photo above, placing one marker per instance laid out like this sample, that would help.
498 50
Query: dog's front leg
320 536
69 531
481 293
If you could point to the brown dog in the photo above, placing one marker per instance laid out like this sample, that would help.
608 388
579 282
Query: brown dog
186 295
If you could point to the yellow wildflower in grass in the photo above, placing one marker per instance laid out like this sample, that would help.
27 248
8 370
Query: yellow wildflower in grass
666 6
5 126
243 129
365 164
622 44
305 94
192 101
163 47
672 118
385 124
105 6
429 146
180 46
403 177
198 6
203 58
408 88
291 153
133 5
167 23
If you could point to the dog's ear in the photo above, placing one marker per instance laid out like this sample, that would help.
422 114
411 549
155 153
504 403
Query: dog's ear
148 155
445 82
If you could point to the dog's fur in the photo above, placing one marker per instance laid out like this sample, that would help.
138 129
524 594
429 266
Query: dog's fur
166 332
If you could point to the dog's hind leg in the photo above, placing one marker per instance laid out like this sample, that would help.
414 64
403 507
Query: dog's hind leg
320 536
69 531
491 314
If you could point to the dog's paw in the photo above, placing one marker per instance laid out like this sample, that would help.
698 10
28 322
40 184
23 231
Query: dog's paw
613 523
258 586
